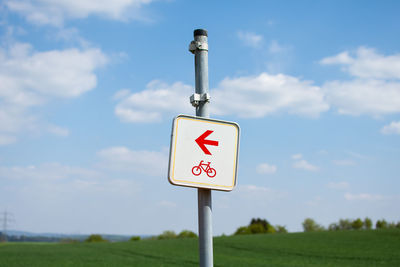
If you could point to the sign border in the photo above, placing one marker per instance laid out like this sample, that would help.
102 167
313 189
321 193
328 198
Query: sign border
172 150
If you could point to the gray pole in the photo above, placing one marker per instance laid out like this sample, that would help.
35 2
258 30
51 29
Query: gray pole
199 47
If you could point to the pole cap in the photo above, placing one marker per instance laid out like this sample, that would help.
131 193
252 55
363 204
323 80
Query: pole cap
200 32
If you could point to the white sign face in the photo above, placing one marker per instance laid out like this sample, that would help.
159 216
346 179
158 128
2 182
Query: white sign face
204 153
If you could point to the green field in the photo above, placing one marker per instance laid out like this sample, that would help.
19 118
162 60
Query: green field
342 248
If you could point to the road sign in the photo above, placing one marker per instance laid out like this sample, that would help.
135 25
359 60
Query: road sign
204 153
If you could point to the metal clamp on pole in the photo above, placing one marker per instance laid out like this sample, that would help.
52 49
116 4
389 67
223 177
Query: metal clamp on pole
195 45
196 99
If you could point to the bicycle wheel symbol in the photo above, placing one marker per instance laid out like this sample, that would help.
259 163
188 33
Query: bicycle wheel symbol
211 172
198 169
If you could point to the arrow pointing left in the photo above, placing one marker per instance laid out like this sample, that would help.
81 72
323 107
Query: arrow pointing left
201 141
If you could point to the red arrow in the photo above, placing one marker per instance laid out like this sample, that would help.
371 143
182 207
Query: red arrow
201 141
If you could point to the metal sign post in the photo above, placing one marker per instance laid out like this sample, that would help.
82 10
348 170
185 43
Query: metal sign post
200 100
203 152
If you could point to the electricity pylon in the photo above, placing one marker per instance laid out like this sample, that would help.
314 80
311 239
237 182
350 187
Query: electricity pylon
6 219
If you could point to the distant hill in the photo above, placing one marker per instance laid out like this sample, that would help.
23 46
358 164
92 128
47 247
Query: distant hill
24 236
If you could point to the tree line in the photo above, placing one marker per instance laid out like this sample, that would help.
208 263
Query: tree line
262 226
309 225
164 235
256 226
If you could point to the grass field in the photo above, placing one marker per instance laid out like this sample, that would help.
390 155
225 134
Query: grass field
347 248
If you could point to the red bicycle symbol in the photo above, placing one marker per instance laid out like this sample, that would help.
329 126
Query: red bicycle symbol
211 172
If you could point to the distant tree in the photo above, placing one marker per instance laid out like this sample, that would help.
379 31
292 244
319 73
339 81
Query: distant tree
345 224
309 225
334 227
167 235
281 229
271 229
381 224
398 225
367 223
243 230
187 234
357 224
258 226
263 222
95 238
135 238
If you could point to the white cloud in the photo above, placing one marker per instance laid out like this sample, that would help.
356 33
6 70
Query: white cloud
48 188
392 128
363 196
341 58
250 39
159 100
57 73
357 97
374 91
105 175
339 185
49 12
249 97
122 159
304 165
367 64
46 172
29 79
300 163
265 168
265 94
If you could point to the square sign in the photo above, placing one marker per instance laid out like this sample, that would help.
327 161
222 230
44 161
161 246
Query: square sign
204 153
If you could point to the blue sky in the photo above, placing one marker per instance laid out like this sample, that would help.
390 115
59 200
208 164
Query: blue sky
88 91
